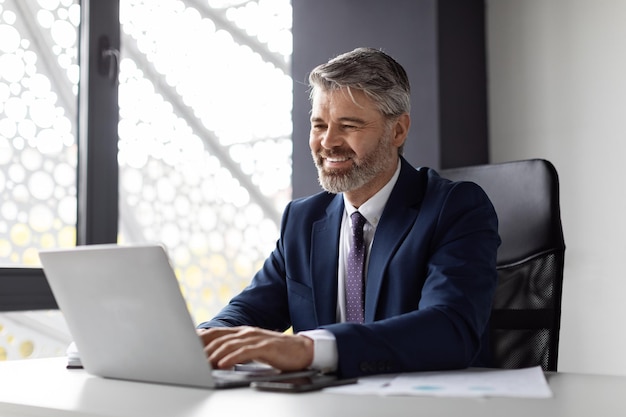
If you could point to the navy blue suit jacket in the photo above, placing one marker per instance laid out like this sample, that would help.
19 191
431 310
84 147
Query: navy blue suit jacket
430 280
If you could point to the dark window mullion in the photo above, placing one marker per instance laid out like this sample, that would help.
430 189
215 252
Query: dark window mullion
98 114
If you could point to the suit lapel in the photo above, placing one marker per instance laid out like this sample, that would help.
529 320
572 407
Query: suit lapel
324 258
396 221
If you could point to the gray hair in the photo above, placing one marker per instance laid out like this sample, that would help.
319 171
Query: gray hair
370 70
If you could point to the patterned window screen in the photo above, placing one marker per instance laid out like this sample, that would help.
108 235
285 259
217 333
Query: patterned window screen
205 99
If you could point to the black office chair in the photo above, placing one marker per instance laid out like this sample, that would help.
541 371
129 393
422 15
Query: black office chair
526 316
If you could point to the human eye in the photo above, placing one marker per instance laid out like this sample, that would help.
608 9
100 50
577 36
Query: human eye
349 127
350 124
318 126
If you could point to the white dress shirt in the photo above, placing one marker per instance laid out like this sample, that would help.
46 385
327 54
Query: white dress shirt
325 345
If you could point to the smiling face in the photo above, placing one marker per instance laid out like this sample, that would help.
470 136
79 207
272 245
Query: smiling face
354 146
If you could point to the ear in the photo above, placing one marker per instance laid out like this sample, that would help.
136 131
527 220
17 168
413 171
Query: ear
401 129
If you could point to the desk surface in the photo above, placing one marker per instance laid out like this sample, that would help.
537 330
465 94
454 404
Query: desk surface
43 387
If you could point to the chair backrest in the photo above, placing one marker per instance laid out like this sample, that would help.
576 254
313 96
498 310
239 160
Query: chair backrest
526 315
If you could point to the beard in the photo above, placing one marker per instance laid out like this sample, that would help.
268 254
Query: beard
362 171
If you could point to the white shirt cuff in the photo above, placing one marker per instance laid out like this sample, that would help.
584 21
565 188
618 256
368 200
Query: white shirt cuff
324 350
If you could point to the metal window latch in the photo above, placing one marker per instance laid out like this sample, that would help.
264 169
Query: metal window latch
108 59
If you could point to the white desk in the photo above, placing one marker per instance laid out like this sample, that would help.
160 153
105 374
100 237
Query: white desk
43 387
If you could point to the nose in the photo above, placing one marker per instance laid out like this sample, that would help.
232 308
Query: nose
331 138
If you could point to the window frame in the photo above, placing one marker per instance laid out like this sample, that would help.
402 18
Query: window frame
25 288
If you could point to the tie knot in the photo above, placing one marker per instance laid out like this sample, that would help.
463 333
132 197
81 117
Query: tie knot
358 221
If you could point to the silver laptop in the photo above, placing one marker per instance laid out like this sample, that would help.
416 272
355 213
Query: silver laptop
129 320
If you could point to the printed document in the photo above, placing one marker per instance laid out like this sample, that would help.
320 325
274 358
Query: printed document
517 383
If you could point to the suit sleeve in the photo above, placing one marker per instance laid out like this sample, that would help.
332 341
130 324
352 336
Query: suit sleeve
445 329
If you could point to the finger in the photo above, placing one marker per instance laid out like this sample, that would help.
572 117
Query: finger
245 344
242 355
288 353
208 335
213 340
231 345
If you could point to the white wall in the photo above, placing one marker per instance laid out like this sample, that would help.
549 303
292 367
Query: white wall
557 90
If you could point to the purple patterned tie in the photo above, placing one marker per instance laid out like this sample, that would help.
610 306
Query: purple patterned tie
356 268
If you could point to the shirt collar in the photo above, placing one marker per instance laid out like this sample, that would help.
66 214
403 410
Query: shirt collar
373 208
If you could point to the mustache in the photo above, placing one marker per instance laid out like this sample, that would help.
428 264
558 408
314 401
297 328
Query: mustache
332 153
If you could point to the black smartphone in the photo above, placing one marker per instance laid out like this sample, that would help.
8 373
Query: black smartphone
302 384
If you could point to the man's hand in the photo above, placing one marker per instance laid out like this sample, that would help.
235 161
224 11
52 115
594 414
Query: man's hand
228 346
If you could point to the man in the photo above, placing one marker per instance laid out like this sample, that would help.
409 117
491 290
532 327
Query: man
425 297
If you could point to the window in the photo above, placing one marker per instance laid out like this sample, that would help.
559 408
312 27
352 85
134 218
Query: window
38 87
205 137
204 142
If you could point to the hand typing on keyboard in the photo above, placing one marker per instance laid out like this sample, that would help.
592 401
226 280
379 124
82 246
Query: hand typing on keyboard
228 346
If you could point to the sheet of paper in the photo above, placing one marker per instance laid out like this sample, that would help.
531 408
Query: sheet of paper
518 383
371 385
